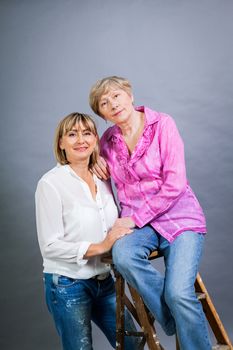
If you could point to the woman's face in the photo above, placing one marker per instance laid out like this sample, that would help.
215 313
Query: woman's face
78 143
116 106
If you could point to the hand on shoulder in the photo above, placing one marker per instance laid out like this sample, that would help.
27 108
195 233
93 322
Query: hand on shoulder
100 169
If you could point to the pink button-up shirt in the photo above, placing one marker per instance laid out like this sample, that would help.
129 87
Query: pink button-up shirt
151 182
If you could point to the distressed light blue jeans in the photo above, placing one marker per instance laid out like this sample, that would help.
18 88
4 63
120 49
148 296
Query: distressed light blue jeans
75 303
171 297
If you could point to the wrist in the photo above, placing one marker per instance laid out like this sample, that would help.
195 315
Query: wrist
132 221
103 247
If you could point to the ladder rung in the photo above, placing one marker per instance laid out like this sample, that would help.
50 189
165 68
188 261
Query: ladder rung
200 296
221 347
135 334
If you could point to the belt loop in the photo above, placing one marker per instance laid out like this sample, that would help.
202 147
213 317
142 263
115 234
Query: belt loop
55 278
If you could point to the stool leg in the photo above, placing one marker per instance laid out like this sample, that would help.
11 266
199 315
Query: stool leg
177 344
120 320
146 321
211 314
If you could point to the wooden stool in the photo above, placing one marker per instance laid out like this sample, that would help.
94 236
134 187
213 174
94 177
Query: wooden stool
146 320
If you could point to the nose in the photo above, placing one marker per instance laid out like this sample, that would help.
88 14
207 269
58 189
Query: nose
114 104
80 138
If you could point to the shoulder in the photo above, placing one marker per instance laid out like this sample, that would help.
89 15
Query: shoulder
53 178
108 141
51 184
153 116
167 122
162 123
163 120
52 174
107 135
166 119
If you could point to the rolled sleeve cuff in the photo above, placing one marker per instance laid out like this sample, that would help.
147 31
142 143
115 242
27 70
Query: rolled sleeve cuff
82 249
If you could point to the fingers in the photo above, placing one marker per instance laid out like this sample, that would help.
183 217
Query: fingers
101 172
125 222
120 222
103 162
100 169
126 233
103 166
119 231
114 234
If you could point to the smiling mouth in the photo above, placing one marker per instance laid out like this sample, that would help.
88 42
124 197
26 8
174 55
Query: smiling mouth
80 149
117 113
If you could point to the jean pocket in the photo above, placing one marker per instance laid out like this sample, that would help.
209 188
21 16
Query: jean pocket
63 281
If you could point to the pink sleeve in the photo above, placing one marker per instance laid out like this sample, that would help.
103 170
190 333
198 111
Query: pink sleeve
173 172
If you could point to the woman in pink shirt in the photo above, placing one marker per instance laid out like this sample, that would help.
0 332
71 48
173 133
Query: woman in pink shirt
145 157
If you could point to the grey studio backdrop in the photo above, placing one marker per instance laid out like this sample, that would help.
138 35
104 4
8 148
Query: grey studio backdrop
178 55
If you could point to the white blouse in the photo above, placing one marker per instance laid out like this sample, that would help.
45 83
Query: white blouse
69 219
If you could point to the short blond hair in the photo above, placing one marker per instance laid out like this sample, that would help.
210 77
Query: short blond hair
66 125
103 86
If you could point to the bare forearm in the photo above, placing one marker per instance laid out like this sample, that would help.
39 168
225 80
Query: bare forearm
114 234
95 249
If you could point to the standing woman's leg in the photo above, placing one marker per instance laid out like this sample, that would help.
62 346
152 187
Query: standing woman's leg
104 314
70 306
182 260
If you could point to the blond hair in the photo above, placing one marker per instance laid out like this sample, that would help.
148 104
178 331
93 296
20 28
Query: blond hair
66 125
103 86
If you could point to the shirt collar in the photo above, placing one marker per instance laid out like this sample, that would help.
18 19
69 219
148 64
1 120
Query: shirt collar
68 169
150 116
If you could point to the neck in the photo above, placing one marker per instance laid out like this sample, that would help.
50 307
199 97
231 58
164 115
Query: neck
133 124
81 169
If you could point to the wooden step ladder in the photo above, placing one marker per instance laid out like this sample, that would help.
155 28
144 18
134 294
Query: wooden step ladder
146 320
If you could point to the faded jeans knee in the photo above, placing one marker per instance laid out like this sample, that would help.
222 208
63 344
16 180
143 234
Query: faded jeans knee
122 258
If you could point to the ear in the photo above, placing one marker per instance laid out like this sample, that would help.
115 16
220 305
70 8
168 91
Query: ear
132 98
61 144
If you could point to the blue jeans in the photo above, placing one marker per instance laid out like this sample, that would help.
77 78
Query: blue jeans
74 303
170 298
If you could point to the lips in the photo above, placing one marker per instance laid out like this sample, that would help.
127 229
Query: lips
117 113
81 149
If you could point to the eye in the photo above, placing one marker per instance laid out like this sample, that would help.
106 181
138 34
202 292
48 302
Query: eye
116 95
71 134
87 133
103 104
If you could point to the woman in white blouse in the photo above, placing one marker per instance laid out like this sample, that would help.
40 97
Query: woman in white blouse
75 215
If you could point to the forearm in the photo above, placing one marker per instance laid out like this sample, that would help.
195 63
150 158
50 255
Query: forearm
95 249
70 252
117 231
